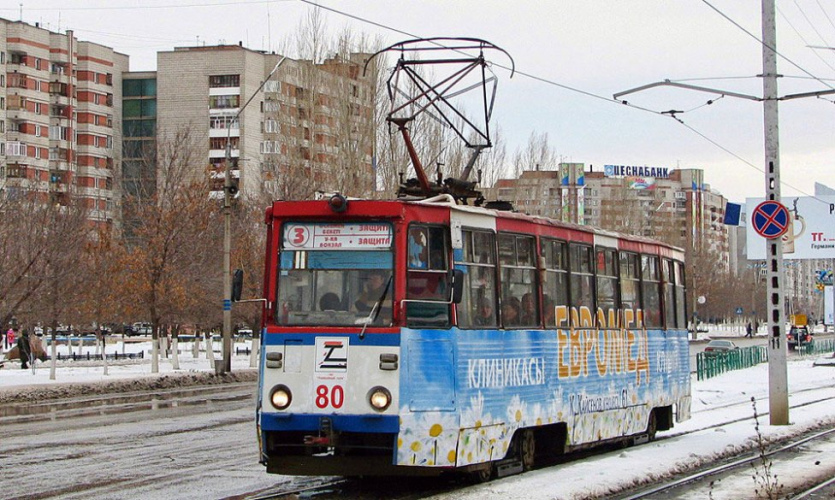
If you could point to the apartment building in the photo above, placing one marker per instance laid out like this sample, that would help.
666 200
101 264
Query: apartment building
60 104
675 206
310 128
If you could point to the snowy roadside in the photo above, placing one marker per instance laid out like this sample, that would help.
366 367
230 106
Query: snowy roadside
700 441
82 377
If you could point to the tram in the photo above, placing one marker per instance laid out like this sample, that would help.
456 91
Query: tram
415 337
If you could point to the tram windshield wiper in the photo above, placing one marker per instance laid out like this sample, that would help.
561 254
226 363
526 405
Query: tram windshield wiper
375 311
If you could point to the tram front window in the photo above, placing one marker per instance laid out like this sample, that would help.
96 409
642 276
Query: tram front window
313 290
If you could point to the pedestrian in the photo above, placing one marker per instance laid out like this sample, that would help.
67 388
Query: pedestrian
9 338
24 350
749 330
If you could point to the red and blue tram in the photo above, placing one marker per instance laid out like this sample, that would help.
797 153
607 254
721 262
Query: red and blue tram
416 337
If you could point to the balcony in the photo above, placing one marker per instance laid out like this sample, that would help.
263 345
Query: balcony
223 132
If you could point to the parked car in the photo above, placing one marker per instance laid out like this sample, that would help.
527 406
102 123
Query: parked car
720 346
142 328
798 335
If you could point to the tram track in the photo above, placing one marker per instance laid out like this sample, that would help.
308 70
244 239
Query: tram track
778 458
740 466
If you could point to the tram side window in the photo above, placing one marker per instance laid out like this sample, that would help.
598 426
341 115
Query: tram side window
681 314
669 293
630 282
651 293
582 284
520 299
554 279
478 262
607 280
427 276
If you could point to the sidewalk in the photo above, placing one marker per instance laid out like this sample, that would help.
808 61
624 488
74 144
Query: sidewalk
68 372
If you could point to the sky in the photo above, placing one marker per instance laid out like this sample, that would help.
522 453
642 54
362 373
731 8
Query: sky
572 56
721 424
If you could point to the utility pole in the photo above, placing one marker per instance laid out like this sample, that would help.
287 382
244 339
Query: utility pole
229 191
778 395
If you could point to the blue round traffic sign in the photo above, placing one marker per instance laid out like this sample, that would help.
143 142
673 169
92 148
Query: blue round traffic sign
771 219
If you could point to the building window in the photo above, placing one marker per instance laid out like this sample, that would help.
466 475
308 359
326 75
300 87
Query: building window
270 126
16 149
270 106
224 101
220 142
219 81
223 122
268 147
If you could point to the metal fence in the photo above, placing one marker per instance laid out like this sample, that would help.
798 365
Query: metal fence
711 364
97 357
817 347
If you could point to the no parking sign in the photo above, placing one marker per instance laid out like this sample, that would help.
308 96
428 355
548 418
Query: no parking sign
771 219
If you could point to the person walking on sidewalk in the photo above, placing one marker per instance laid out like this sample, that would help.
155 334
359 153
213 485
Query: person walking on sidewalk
24 349
9 339
749 330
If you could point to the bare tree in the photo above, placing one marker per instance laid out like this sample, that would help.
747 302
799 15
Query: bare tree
321 122
39 241
166 261
536 154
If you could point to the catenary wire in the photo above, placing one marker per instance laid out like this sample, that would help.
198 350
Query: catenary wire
800 35
826 14
580 91
774 49
523 73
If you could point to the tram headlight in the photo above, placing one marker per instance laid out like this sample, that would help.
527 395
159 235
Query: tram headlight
379 398
281 397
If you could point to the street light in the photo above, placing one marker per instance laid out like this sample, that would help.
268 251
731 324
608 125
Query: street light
228 191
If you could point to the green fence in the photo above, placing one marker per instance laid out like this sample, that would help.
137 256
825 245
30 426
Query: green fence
817 347
711 364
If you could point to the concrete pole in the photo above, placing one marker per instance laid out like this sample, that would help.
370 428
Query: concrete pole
777 378
227 250
227 231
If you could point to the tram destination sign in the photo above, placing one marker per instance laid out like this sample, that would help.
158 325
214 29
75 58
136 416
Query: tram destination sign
337 236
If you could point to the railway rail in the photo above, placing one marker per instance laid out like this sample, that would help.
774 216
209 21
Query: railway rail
787 453
769 471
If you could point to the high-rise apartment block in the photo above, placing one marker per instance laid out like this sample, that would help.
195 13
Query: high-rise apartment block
65 109
60 112
311 123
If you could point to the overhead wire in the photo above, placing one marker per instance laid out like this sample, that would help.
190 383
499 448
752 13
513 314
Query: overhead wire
547 81
531 76
826 14
800 35
761 42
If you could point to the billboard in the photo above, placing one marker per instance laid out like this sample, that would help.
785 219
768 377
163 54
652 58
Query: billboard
635 171
811 234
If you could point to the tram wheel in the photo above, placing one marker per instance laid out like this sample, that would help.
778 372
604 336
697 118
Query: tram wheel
482 475
527 449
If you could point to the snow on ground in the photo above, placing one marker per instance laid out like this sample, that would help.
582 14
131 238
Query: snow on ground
82 376
713 399
716 400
